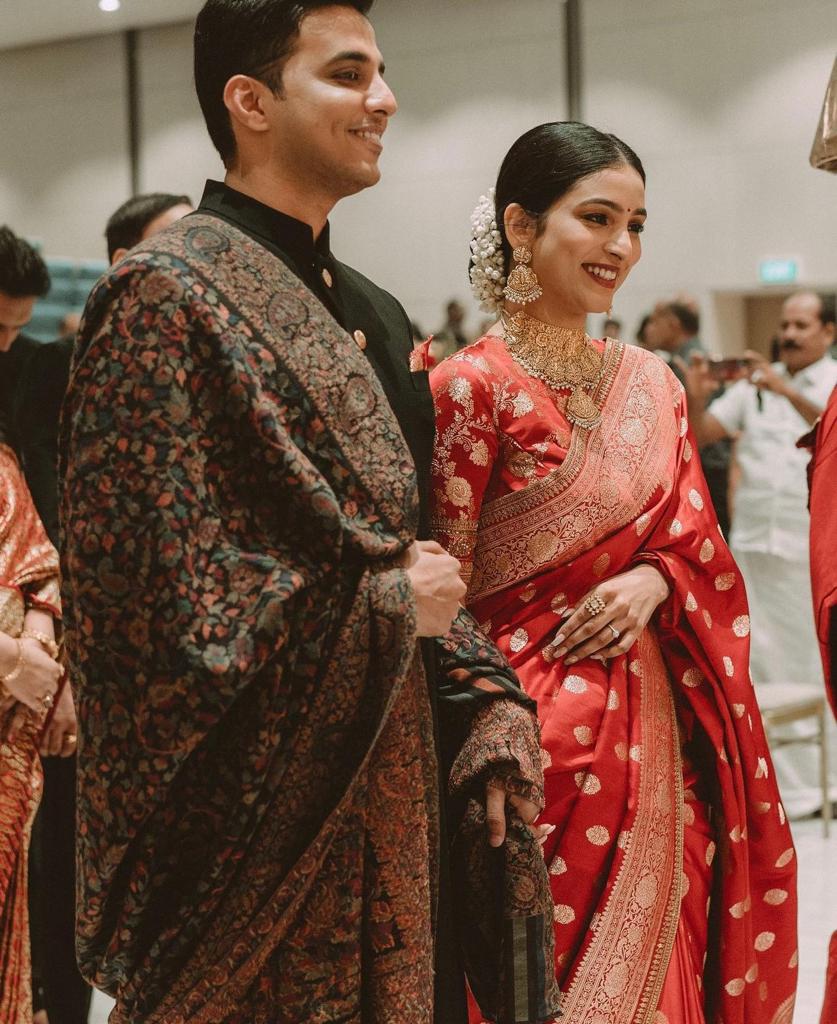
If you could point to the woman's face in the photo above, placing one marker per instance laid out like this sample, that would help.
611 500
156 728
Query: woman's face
588 244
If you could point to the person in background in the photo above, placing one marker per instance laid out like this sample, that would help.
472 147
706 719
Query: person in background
245 465
674 331
612 328
23 280
62 991
29 678
641 337
140 217
822 475
767 411
450 337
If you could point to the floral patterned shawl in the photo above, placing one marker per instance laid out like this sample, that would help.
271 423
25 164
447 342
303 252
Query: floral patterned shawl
257 782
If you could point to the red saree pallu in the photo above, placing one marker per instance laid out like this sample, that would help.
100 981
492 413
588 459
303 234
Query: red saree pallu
28 576
823 477
539 512
257 779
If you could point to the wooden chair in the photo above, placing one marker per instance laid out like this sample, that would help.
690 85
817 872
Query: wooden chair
782 704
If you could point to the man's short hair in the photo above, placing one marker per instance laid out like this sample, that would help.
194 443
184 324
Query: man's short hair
685 316
23 274
127 225
246 37
828 312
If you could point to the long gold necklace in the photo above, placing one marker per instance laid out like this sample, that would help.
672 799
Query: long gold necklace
562 357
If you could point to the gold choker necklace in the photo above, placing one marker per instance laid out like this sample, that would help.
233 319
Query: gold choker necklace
562 357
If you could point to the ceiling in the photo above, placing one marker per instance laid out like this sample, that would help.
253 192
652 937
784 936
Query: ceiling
24 22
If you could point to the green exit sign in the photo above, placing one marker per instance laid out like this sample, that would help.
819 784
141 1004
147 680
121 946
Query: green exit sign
784 271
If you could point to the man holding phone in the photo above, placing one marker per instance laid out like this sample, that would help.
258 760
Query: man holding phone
767 410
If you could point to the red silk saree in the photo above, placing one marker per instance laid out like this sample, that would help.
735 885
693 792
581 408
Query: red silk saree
28 577
670 841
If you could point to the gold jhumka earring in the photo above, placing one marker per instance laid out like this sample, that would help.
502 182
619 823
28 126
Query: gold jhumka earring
522 286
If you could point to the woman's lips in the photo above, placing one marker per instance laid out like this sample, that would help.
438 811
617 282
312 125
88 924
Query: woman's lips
602 274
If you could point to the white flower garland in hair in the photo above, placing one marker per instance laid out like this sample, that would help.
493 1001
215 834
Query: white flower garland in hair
487 277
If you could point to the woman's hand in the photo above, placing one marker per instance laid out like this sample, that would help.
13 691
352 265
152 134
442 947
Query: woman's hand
61 735
630 599
37 681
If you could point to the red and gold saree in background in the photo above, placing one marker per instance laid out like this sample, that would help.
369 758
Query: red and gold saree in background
670 841
28 577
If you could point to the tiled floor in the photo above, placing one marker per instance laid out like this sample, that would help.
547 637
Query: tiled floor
817 919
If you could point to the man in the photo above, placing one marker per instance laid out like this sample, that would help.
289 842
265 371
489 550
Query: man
674 331
244 589
450 337
41 389
140 217
768 411
23 280
45 381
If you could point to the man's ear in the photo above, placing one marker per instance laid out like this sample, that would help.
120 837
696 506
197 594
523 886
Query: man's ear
244 98
118 254
520 226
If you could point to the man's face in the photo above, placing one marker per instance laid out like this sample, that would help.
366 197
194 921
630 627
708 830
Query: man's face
326 124
15 314
803 337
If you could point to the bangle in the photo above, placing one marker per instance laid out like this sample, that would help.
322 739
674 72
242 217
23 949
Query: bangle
21 661
47 642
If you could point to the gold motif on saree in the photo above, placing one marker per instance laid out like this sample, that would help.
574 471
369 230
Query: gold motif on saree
622 970
601 486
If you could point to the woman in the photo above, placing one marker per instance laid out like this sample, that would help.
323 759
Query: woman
566 482
29 678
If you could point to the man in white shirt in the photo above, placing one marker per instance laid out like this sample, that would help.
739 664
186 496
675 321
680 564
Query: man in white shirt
766 412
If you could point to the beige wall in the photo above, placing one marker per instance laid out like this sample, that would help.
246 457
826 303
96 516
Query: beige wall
63 143
719 97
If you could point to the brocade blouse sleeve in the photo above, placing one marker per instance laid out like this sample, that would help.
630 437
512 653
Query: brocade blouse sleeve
467 443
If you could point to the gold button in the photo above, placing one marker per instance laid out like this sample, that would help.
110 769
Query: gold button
360 338
327 277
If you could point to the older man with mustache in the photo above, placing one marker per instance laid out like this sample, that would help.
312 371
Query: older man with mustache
767 411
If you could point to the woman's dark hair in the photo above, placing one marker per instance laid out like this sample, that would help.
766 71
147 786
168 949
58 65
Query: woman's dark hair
548 161
246 37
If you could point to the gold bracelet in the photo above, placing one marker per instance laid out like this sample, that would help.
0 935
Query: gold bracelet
21 661
47 642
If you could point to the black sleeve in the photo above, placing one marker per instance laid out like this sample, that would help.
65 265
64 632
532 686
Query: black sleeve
42 392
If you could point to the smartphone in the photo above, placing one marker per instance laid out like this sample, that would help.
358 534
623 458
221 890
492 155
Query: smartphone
728 368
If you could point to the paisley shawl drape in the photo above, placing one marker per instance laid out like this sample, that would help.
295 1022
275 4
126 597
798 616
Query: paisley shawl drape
538 513
257 790
28 578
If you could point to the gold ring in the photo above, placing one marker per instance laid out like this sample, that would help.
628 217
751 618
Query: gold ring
614 630
71 738
594 605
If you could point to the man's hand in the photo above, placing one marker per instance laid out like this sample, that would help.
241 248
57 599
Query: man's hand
60 737
698 381
764 376
495 814
437 585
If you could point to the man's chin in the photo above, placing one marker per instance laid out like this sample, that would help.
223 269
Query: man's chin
360 178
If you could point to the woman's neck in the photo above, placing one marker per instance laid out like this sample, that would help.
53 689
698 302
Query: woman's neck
548 313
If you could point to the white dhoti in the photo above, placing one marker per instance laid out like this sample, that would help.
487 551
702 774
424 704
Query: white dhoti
783 649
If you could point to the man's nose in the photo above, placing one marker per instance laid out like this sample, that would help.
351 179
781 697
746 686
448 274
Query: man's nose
382 98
